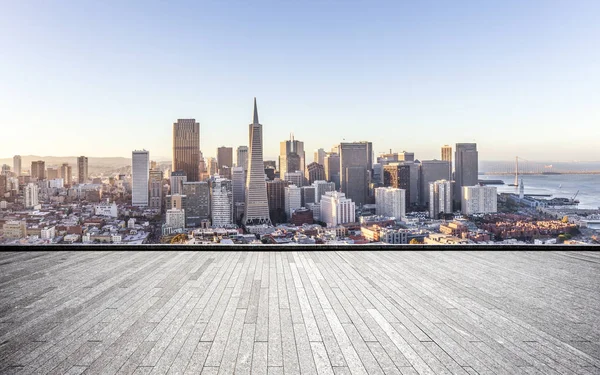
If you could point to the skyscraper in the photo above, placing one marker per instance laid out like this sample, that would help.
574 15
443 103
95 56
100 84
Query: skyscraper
276 199
447 156
466 168
197 205
315 172
390 202
221 199
337 209
430 171
292 199
257 207
242 157
17 165
186 148
82 169
225 161
355 166
155 187
319 156
66 173
30 195
440 198
332 168
291 156
177 180
238 184
479 200
397 175
38 170
140 171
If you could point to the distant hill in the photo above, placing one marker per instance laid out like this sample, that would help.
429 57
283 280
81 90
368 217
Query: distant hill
72 160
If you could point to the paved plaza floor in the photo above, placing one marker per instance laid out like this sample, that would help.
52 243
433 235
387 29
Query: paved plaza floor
333 312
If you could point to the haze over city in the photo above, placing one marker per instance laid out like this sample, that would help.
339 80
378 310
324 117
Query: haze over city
102 79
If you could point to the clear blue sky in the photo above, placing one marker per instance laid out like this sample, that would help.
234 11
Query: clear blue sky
102 78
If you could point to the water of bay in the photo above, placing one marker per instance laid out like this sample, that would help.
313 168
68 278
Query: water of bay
563 186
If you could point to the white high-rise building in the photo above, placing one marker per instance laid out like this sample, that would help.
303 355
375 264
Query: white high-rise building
17 165
479 200
31 195
293 199
390 202
440 198
221 202
337 209
322 187
238 184
175 218
257 204
319 156
140 171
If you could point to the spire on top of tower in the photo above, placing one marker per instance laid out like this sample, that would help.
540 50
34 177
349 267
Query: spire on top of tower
255 121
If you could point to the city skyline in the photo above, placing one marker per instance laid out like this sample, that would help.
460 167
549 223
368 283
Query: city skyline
522 76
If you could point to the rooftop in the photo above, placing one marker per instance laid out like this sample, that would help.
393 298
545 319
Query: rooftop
325 312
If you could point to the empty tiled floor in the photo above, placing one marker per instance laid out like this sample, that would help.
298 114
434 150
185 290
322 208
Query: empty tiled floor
300 312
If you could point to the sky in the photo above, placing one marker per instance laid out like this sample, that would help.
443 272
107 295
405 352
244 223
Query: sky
102 78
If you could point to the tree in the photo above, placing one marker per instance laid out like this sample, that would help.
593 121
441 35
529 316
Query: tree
414 241
565 219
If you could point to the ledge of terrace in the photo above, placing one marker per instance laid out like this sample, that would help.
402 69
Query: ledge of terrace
292 312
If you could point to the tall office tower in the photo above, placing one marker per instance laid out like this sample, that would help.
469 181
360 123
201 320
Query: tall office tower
406 156
202 175
66 173
397 175
337 209
390 202
315 172
447 156
212 166
479 199
322 187
429 171
38 170
17 165
270 164
356 161
276 199
177 180
31 195
319 157
225 161
82 169
140 173
221 199
292 200
186 148
5 170
238 184
152 164
197 205
377 176
355 166
291 156
296 178
332 169
308 195
257 206
440 198
155 188
242 157
465 168
51 173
